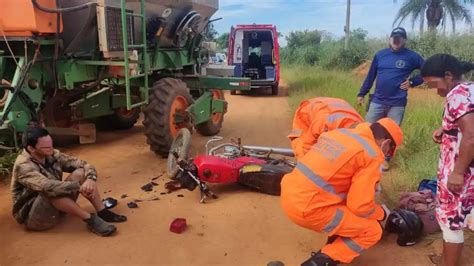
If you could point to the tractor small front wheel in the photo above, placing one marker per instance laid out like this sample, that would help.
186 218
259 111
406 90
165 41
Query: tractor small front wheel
123 118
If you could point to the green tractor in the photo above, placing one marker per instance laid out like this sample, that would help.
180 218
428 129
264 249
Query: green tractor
69 65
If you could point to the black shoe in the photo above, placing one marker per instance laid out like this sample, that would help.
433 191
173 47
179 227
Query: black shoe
111 217
98 226
319 259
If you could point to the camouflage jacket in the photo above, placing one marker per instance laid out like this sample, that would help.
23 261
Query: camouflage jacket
31 178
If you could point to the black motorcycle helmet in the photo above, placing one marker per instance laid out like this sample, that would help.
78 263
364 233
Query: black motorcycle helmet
406 224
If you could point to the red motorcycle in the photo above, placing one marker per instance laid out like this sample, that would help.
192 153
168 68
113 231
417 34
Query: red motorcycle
252 166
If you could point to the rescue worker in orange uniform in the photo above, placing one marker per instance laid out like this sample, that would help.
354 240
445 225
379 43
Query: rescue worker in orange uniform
318 115
333 187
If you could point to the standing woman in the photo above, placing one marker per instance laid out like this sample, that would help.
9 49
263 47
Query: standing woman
456 164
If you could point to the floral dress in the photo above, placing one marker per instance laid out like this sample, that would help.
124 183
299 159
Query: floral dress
453 208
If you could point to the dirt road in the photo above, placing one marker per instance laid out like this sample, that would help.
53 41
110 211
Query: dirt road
239 228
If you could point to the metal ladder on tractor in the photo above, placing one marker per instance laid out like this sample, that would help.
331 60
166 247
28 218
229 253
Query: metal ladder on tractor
143 62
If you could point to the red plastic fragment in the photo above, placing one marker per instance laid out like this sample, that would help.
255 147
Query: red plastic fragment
178 225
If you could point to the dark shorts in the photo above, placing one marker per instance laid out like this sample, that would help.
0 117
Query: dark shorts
43 215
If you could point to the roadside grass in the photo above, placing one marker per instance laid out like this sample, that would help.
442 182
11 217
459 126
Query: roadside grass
416 160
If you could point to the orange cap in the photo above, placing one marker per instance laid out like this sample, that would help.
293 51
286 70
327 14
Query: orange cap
393 129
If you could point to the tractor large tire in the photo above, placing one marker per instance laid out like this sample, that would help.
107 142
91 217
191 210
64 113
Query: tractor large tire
122 118
214 125
167 97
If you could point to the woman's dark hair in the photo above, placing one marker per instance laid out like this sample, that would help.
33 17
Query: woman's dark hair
438 65
32 134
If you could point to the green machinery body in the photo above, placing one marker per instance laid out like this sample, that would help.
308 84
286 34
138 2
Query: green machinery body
45 83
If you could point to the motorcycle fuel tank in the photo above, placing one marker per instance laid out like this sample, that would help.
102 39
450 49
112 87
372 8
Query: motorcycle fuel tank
214 169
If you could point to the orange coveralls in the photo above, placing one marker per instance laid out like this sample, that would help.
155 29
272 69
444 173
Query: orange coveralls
316 116
332 190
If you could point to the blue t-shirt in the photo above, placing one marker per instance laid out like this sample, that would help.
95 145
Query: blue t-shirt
391 69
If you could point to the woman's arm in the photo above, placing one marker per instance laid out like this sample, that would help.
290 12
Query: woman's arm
466 153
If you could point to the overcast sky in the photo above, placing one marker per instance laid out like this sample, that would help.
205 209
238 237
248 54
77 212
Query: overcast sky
375 16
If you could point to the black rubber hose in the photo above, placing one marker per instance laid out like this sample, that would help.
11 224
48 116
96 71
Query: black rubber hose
56 49
61 10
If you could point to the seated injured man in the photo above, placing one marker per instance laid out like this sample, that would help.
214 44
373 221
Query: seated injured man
316 116
41 196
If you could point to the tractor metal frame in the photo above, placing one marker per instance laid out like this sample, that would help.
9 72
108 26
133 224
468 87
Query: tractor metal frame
31 77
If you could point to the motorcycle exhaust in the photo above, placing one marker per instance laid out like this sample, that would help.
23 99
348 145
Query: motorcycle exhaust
273 150
235 145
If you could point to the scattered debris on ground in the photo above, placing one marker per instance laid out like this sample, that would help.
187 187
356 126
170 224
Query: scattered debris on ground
109 202
149 187
132 205
172 186
155 178
275 263
149 199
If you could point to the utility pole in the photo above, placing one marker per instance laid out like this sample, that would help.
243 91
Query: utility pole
347 28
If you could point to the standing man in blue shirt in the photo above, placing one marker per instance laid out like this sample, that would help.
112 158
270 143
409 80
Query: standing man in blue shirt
392 68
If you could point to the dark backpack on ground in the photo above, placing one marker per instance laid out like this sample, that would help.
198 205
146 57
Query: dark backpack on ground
423 204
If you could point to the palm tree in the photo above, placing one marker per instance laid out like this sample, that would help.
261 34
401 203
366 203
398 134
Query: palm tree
434 12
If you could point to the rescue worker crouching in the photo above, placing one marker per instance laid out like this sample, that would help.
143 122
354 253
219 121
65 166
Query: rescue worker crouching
332 189
316 116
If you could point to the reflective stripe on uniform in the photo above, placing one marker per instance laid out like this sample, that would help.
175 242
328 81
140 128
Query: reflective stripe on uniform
362 141
319 181
368 214
352 245
335 221
338 115
295 133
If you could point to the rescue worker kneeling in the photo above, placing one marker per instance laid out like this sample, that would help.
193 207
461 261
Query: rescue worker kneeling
332 189
316 116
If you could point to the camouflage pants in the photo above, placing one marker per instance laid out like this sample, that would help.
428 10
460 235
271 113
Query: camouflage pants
43 215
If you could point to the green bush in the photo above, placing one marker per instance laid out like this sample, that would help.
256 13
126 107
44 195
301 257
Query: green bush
460 46
334 56
305 49
330 52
